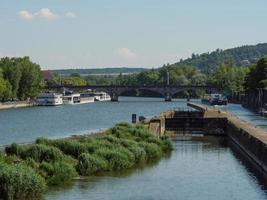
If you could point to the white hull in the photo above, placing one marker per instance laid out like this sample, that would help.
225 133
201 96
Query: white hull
49 99
77 99
105 99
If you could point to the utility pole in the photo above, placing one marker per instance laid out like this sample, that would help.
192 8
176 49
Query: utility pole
168 78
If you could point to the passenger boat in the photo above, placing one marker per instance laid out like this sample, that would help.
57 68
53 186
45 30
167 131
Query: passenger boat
70 98
214 99
102 96
49 99
86 98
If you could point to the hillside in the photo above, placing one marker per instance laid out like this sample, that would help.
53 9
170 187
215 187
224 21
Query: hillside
98 71
244 55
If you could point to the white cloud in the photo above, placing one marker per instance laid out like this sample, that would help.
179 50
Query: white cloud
46 13
43 13
127 53
70 15
24 14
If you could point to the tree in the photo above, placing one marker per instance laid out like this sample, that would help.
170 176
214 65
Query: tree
11 73
229 78
257 76
31 79
2 85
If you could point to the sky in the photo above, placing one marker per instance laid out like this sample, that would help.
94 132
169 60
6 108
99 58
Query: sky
126 33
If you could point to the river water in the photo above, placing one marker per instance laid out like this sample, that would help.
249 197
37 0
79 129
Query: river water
202 168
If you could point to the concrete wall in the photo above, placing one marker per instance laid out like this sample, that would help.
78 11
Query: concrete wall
255 148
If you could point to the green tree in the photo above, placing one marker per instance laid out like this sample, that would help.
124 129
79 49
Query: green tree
31 78
257 76
11 73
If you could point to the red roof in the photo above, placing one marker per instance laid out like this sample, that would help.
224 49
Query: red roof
47 75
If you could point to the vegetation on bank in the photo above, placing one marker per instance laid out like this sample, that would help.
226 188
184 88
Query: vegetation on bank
19 79
26 170
257 76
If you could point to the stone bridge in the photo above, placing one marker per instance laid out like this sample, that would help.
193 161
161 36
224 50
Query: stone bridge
115 90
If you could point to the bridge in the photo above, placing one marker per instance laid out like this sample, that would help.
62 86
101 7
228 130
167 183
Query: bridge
167 91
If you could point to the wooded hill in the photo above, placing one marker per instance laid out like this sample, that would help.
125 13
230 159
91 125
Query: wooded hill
240 56
98 71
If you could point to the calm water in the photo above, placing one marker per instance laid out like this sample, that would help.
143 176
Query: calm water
198 169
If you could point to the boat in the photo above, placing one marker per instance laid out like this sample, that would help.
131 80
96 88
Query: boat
102 96
214 99
86 98
76 98
49 99
70 98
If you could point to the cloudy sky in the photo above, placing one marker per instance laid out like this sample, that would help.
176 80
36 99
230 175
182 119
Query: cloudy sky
132 33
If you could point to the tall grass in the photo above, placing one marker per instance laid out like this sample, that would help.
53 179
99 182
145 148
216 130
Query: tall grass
55 162
20 182
89 164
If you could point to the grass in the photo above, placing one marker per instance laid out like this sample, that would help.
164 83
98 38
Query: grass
26 170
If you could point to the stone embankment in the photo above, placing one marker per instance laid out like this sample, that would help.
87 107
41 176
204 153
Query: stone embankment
249 138
16 104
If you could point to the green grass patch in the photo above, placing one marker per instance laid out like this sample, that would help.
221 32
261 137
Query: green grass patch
25 170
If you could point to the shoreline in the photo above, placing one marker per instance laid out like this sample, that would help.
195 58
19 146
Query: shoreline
16 104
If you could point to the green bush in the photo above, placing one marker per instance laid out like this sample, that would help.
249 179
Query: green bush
153 151
67 146
98 144
89 164
116 160
15 149
40 152
20 182
155 140
138 152
119 148
71 147
167 144
58 172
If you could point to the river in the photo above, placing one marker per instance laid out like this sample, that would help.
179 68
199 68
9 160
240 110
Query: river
202 168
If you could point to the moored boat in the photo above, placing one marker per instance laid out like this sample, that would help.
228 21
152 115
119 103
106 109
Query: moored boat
102 96
214 99
49 99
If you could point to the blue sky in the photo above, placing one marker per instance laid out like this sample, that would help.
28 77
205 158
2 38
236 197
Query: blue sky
131 33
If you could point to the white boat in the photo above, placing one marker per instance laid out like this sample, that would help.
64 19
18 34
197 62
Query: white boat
71 99
49 99
86 98
102 96
78 98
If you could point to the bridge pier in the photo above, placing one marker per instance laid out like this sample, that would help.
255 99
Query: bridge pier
168 97
114 97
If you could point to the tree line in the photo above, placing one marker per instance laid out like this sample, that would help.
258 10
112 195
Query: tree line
20 79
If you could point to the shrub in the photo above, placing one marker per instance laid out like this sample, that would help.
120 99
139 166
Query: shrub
71 147
40 152
155 140
153 151
167 144
20 182
15 149
89 164
116 160
58 172
98 144
138 152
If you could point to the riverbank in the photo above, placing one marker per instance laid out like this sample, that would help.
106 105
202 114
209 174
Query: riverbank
54 162
16 104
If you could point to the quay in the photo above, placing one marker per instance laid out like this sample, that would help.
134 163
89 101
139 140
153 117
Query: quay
212 121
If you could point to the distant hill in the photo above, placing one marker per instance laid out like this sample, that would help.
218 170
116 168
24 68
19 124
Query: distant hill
98 71
244 55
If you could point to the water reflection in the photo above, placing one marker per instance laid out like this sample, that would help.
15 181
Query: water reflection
201 168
